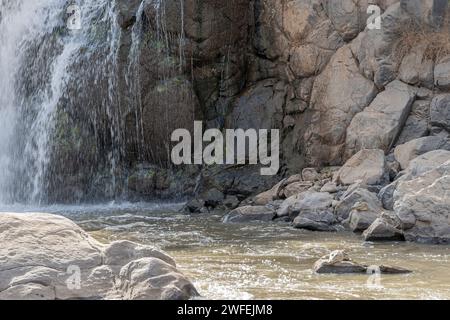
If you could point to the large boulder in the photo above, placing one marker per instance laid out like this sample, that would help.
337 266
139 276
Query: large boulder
266 197
348 17
383 230
416 68
362 216
423 205
406 152
250 214
351 198
339 93
427 162
380 124
368 165
418 122
323 220
374 49
49 257
311 210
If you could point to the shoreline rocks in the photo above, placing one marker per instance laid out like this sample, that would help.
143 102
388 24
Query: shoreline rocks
48 257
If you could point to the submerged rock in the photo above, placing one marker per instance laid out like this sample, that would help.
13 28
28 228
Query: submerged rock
49 257
338 262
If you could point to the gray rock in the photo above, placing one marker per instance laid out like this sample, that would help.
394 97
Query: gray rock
40 253
338 262
329 187
348 17
440 112
339 93
250 214
310 174
345 206
296 188
442 73
362 216
127 11
260 107
382 230
418 122
309 201
380 124
194 206
416 69
386 195
412 149
315 220
431 12
231 202
427 162
368 166
423 205
264 198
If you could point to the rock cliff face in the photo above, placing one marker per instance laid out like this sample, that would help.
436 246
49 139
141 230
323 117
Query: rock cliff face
313 69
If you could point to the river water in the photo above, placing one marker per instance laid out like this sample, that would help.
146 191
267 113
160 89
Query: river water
266 261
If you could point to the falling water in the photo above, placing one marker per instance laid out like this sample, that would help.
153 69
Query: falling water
76 105
38 65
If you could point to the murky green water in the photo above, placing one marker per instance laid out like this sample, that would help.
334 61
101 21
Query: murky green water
269 261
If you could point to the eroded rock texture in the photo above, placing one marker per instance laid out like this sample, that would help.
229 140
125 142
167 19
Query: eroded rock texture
49 257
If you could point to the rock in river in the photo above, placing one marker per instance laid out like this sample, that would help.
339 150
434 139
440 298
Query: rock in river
338 262
48 257
250 214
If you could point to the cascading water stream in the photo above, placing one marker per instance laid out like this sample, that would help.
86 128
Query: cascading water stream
38 58
77 105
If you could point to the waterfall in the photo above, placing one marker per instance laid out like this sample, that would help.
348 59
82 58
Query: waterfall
78 106
39 69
